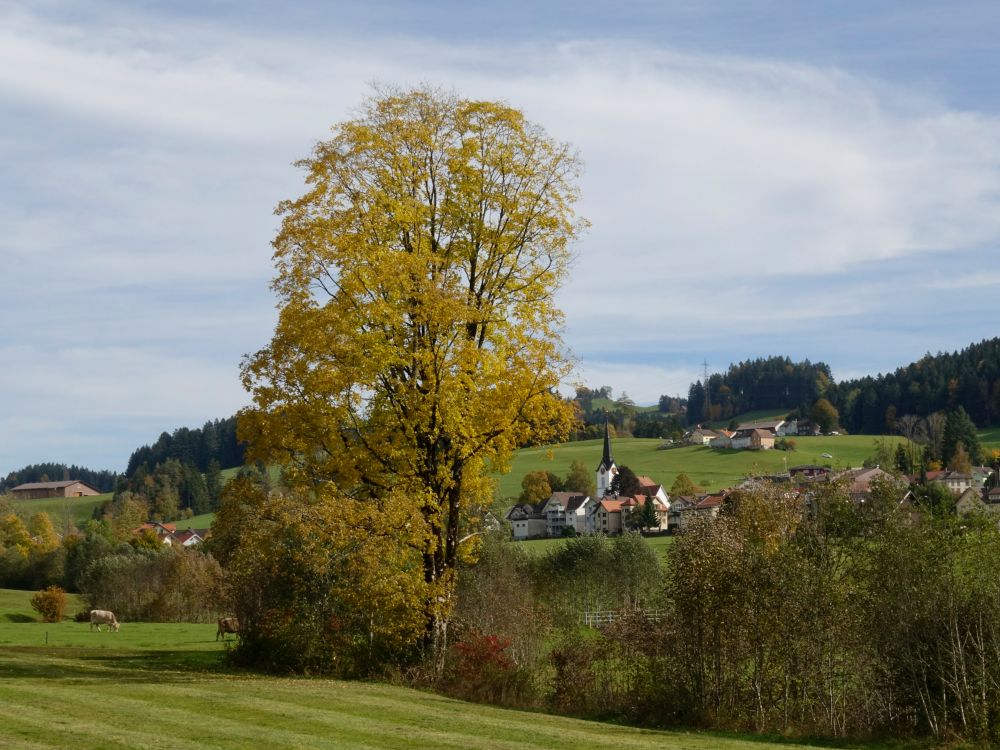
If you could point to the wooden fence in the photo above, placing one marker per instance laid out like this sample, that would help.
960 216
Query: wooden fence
607 616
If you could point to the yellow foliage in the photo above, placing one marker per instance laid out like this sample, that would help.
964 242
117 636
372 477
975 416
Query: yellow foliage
418 340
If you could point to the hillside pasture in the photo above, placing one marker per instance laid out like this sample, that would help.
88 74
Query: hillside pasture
990 437
62 510
711 469
760 415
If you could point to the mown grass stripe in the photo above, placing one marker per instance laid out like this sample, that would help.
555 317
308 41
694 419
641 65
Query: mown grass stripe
373 721
114 704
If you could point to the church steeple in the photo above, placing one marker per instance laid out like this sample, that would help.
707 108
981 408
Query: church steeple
606 470
607 460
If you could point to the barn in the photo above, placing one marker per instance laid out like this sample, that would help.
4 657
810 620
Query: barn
66 488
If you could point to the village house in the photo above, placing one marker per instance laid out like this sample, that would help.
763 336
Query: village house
650 488
684 510
605 517
724 439
775 426
701 436
755 439
527 521
66 488
957 482
632 505
565 509
167 534
808 471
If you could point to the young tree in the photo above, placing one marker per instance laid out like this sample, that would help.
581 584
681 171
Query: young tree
960 461
418 339
535 487
647 515
959 428
625 482
684 486
824 414
580 479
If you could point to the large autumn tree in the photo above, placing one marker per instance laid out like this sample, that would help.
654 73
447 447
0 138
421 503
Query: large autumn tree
418 343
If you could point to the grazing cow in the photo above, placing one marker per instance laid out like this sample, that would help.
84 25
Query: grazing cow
227 625
100 617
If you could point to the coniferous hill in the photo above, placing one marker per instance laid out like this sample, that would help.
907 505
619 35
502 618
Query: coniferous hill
216 440
772 383
969 378
942 382
102 479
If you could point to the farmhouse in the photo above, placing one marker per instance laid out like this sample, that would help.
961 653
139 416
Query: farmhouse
755 439
66 488
701 436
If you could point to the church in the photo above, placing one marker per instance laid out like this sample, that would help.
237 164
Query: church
570 514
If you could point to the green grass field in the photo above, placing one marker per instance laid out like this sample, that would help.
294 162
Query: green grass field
712 469
78 510
990 438
165 686
541 546
751 416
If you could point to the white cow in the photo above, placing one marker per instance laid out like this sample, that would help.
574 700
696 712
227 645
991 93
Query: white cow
100 617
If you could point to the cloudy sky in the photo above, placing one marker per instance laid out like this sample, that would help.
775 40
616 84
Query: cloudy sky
762 178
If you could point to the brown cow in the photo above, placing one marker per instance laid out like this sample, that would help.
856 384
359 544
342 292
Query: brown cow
227 625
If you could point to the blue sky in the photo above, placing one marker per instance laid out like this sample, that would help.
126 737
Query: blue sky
816 180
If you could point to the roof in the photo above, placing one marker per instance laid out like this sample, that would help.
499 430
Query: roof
529 510
52 485
710 501
763 424
704 432
568 500
612 506
639 501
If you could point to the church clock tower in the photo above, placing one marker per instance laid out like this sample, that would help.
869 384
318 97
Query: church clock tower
606 470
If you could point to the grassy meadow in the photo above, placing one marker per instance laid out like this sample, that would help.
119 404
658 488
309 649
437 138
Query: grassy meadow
990 437
156 685
63 510
712 469
659 544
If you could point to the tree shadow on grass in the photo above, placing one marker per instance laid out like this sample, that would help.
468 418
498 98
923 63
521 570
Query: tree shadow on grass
74 664
17 618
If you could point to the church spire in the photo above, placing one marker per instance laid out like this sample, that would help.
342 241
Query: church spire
607 469
607 460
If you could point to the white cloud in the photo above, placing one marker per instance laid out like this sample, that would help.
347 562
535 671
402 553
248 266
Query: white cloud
644 384
725 194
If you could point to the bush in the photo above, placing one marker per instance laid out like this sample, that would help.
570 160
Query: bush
50 603
480 668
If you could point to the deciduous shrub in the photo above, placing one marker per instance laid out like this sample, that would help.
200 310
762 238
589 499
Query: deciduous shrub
50 603
480 668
